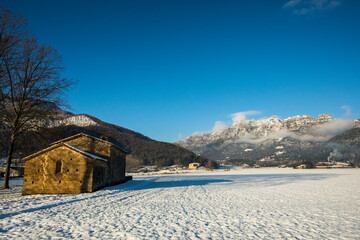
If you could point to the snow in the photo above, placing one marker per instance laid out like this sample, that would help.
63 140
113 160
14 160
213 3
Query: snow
248 150
77 120
244 204
83 134
69 146
85 153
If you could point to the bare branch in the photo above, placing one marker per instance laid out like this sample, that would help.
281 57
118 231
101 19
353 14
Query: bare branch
30 80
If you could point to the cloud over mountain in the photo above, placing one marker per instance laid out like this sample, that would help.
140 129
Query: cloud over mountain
241 116
298 137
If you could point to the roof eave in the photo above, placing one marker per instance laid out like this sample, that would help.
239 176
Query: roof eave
84 134
68 146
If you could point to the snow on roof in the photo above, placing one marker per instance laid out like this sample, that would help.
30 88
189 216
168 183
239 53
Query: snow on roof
83 134
85 153
67 145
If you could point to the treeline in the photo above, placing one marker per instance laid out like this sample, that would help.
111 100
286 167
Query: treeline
272 163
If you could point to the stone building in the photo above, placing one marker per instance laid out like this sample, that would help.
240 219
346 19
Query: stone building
80 163
14 172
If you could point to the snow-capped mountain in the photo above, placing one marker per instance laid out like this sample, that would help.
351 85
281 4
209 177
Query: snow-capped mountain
298 137
80 120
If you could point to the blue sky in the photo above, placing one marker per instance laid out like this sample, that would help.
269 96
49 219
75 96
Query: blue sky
168 68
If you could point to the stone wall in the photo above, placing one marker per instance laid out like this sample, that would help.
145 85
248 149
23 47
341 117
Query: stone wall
117 165
91 145
115 156
60 170
100 176
66 170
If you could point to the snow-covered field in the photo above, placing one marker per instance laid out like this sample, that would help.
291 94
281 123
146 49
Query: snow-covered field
244 204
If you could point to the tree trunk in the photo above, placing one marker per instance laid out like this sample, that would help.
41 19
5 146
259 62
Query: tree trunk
8 162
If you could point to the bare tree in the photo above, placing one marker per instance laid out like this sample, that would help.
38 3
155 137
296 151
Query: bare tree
11 33
32 88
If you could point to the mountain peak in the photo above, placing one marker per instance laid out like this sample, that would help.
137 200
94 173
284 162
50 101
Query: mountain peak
302 129
325 117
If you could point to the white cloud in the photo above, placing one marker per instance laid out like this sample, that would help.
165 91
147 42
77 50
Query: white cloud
291 3
347 110
241 116
198 133
335 127
302 7
334 155
325 4
219 126
180 136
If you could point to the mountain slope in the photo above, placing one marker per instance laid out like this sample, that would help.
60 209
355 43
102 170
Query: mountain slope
143 150
350 137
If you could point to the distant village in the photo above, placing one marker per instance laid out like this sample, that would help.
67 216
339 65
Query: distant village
296 164
18 166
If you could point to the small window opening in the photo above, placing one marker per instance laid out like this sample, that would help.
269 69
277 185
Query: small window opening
80 181
77 170
68 170
38 170
58 167
60 181
32 182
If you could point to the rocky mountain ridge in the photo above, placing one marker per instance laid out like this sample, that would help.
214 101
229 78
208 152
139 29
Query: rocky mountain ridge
298 137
